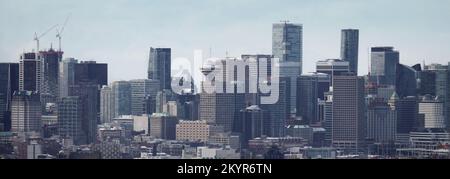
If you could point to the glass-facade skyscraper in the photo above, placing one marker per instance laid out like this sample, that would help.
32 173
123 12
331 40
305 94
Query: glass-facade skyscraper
159 67
383 68
349 48
287 46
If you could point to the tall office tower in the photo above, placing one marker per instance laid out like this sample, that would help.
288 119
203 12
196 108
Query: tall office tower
440 85
407 115
94 73
26 112
427 83
287 46
383 65
348 121
70 119
381 122
432 108
9 82
159 67
406 81
50 74
30 74
66 75
121 98
332 67
88 92
279 112
350 47
106 104
311 88
149 105
163 126
139 90
252 123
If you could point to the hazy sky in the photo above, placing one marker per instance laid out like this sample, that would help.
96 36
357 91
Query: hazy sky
120 32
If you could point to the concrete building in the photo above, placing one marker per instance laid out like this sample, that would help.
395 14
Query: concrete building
26 112
433 110
193 130
106 104
70 119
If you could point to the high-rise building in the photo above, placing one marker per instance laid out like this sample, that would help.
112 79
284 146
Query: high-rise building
30 72
70 119
162 99
279 112
381 122
159 67
121 98
66 75
383 65
439 85
407 115
253 123
26 112
287 46
89 93
189 106
433 110
106 104
311 88
327 105
50 74
350 47
163 126
406 81
348 121
9 82
139 90
333 66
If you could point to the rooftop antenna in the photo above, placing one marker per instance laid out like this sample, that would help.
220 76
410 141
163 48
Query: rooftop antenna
59 32
37 37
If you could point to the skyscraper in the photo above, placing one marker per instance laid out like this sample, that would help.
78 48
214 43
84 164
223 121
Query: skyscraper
279 112
89 94
406 81
50 73
26 112
311 88
30 72
381 122
253 122
70 119
106 104
348 122
439 85
407 115
66 75
383 65
287 46
9 82
122 98
350 47
159 67
139 90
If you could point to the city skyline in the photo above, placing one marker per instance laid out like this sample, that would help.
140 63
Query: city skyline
122 39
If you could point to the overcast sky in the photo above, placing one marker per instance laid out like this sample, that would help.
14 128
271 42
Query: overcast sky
120 32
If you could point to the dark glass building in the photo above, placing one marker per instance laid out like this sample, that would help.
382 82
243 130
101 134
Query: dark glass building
384 61
311 88
9 82
349 48
406 81
159 67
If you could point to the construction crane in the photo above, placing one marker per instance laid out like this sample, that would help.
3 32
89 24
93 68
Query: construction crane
59 32
36 37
